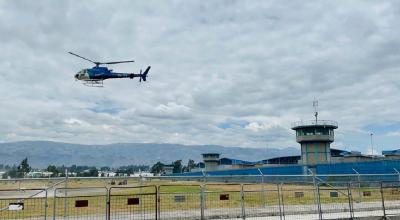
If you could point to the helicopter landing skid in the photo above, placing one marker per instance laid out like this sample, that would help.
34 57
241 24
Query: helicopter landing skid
93 83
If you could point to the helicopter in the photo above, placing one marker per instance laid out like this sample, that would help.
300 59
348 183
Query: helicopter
94 77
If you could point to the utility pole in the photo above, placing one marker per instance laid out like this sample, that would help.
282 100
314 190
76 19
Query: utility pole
372 144
315 105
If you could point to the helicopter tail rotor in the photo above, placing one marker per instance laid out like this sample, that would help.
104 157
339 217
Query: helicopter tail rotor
143 76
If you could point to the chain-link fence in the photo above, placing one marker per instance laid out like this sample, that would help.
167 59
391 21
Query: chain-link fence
23 204
183 200
87 203
180 202
133 203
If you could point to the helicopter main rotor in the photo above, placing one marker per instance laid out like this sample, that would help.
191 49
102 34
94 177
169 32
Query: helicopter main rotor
101 63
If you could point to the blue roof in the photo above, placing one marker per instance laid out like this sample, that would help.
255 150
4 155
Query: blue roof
230 161
391 152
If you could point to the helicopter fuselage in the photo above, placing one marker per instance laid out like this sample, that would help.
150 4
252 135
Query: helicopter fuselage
100 73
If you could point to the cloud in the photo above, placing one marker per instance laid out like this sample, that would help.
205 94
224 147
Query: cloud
214 66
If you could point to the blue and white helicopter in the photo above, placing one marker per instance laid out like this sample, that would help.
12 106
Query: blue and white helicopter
95 76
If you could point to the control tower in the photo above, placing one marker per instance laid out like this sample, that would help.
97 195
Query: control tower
211 161
315 138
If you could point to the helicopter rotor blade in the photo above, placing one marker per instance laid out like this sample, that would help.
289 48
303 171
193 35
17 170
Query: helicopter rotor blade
126 61
83 58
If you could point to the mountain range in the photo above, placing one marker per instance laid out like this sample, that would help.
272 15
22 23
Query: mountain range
40 154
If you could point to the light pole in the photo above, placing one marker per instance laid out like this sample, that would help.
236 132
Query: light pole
372 144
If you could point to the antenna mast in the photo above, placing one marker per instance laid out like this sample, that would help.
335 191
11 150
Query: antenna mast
315 105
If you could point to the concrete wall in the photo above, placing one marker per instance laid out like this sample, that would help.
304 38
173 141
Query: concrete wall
315 152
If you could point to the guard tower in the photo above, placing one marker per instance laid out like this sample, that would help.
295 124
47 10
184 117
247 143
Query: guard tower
211 161
315 138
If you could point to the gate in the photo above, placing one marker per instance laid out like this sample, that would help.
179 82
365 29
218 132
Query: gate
180 202
133 203
299 198
367 199
335 201
223 201
262 200
23 204
80 203
390 198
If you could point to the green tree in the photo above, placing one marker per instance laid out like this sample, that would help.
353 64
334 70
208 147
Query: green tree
12 172
105 168
157 168
190 165
177 166
93 172
23 168
53 169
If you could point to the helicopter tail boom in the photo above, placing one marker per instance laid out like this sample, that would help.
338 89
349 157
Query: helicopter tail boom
141 76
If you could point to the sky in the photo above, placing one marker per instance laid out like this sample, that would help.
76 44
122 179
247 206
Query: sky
231 73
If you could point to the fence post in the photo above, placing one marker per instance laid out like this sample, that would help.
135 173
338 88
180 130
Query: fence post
242 202
319 202
108 204
350 196
383 201
316 194
54 203
65 193
262 188
158 201
281 202
359 183
45 206
398 173
202 201
204 176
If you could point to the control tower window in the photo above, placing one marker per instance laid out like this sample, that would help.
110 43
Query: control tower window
322 131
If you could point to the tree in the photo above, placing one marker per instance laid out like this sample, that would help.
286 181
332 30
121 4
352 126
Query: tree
177 166
190 165
93 172
53 169
12 172
105 168
157 168
23 168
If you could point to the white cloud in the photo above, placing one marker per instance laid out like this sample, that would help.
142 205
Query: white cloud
393 134
255 61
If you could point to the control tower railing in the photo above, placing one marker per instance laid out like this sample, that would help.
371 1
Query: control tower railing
314 123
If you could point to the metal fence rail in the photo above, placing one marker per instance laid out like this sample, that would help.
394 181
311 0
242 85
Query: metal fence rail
183 201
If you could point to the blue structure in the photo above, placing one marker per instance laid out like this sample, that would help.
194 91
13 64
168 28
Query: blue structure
380 170
317 158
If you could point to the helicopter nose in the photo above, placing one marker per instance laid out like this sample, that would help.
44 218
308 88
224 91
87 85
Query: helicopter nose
76 76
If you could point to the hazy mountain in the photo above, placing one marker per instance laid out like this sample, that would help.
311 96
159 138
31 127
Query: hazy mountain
43 153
